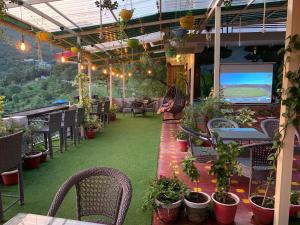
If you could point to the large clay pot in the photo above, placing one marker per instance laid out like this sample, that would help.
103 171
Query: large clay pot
168 213
294 210
10 177
197 212
44 156
187 22
225 213
126 14
32 160
90 134
182 145
261 215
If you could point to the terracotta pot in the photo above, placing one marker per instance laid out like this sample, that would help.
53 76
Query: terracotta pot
126 14
90 134
168 213
44 156
187 22
182 145
225 213
294 210
10 178
197 212
261 215
33 160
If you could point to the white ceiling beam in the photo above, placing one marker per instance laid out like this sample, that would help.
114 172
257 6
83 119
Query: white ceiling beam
210 13
244 9
29 2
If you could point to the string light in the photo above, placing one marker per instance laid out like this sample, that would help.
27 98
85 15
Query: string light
129 74
113 73
93 67
117 75
149 72
82 67
62 58
121 76
104 71
22 45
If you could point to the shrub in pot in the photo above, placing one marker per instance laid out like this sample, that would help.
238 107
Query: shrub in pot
263 209
32 159
45 152
196 203
295 204
224 167
181 139
164 196
113 111
91 125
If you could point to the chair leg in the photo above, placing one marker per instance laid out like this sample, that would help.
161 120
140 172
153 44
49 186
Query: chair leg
20 185
74 135
50 145
1 209
250 185
61 140
45 141
65 137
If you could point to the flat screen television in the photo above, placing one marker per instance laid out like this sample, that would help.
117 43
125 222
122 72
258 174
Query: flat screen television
246 83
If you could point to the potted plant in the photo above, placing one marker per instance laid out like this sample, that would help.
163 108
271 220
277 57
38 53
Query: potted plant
187 21
224 167
245 117
91 125
45 152
295 204
32 159
181 139
262 208
113 111
164 196
196 203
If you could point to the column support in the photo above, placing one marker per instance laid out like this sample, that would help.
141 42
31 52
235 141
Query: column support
285 159
90 78
124 80
192 66
110 84
217 50
79 71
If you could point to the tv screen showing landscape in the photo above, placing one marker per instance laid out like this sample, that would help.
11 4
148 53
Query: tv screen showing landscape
247 83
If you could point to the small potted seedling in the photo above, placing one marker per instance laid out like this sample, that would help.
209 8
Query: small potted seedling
295 204
196 203
224 167
41 148
91 125
165 196
181 139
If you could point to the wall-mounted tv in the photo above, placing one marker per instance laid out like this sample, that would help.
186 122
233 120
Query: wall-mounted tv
247 83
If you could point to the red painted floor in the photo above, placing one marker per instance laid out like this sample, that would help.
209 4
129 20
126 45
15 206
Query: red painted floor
170 157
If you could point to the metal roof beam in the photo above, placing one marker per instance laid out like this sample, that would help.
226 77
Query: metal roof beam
29 2
244 9
210 13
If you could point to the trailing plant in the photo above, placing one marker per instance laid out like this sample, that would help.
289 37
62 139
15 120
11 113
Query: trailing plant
227 3
224 168
166 190
181 135
3 6
290 99
107 4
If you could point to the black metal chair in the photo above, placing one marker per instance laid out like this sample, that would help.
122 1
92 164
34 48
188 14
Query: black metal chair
151 107
106 112
79 123
11 158
126 107
102 193
69 121
50 127
254 161
138 108
203 153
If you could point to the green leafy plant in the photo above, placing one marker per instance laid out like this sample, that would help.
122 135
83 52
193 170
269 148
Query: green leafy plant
224 168
107 4
245 117
114 108
227 3
166 190
92 123
295 198
190 169
181 135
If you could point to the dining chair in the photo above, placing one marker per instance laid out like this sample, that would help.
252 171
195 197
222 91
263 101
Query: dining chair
203 153
69 122
254 161
103 195
10 159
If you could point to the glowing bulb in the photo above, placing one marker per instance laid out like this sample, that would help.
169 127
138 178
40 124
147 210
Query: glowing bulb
117 75
113 73
105 71
121 76
149 72
23 46
93 68
63 59
82 67
129 74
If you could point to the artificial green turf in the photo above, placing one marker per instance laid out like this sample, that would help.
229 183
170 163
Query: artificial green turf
128 144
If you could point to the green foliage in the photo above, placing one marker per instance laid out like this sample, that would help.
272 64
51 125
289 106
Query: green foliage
189 168
227 3
166 190
224 168
295 198
92 123
181 135
188 117
245 117
114 108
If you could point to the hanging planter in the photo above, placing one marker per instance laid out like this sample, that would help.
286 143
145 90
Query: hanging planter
126 14
170 53
74 49
187 21
43 36
133 43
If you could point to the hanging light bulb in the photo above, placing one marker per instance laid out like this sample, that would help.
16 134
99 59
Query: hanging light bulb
149 72
93 67
104 71
121 76
23 45
129 74
117 75
62 58
113 73
82 67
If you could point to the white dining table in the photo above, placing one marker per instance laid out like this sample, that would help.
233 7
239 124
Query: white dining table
33 219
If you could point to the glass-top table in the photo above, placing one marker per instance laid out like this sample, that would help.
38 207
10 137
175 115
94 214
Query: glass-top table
241 134
33 219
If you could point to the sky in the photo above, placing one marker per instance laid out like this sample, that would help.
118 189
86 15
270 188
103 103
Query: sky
246 78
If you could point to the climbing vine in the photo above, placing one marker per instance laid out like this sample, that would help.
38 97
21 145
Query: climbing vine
290 98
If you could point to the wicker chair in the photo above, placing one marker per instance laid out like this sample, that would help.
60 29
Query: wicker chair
104 193
254 161
126 107
10 158
79 123
201 153
151 107
51 126
138 108
69 121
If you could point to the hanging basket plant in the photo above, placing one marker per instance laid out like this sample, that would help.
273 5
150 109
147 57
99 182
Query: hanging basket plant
170 53
133 43
43 36
75 49
126 14
187 21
